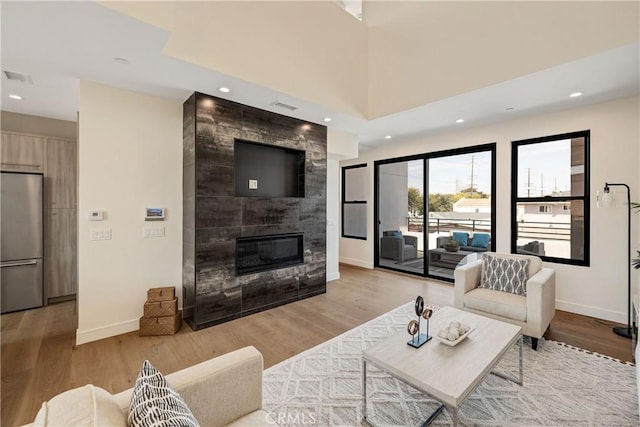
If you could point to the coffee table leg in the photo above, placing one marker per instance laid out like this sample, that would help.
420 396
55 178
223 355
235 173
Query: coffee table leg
520 378
364 392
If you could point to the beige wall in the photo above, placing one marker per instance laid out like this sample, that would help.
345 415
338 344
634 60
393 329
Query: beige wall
599 290
16 122
130 157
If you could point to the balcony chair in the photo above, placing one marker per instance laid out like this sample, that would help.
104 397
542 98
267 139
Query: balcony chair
393 245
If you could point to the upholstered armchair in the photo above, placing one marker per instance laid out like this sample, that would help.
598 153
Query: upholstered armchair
532 311
393 245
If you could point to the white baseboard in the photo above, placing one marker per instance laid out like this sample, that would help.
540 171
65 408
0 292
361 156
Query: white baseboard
598 313
333 276
95 334
356 262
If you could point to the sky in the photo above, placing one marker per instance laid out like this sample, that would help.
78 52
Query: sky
449 174
542 168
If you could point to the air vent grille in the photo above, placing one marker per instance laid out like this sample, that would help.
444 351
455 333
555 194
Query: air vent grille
22 78
283 105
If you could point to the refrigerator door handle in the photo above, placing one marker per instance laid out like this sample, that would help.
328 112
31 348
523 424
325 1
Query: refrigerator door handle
17 263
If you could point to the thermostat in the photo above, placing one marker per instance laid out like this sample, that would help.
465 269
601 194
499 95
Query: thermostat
96 215
154 214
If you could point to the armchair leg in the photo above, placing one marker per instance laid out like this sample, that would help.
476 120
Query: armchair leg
534 343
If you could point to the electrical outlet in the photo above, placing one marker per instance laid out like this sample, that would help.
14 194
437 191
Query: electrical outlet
253 184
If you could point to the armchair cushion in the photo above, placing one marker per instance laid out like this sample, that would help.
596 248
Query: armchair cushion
503 304
504 274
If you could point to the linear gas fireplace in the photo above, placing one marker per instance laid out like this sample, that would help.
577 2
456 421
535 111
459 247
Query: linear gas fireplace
268 252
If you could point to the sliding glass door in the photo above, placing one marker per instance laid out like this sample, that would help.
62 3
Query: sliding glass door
401 215
434 209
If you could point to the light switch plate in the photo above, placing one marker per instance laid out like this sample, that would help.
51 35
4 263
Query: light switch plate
100 234
253 184
149 232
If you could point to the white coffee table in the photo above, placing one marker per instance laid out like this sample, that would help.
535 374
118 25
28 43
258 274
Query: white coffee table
447 374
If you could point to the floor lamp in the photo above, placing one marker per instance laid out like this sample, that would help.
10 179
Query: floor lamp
606 199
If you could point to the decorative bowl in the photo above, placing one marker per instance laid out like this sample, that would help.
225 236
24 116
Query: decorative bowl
451 248
453 343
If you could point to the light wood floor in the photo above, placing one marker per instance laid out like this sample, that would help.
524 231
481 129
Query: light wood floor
39 361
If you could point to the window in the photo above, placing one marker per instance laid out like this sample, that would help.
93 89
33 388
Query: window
354 201
550 198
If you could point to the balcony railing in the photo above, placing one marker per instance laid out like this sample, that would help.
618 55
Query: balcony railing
534 230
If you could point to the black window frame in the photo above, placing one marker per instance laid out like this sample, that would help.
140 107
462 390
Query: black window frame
347 202
585 198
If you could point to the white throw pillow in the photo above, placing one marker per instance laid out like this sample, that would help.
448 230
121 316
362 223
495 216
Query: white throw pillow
155 403
84 406
504 274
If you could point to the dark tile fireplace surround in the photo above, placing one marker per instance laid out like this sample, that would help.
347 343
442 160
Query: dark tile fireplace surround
242 255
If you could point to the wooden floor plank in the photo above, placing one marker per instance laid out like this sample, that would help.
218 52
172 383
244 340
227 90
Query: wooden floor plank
39 361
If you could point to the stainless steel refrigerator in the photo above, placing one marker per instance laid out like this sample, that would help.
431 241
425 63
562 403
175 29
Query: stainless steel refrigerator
21 219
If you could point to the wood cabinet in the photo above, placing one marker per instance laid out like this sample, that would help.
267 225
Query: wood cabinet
22 152
57 159
61 172
60 256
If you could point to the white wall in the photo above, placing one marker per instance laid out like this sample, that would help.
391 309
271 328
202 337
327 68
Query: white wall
340 146
130 158
599 290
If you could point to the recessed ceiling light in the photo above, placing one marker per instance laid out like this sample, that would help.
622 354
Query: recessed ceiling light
327 119
575 94
224 89
387 137
460 121
122 61
18 97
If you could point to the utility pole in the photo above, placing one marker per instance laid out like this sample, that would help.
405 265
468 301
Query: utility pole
528 182
541 185
472 161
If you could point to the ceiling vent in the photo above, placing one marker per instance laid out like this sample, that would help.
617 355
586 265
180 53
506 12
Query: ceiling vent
283 105
22 78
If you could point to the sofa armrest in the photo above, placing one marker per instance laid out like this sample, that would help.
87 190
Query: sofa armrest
541 301
466 278
219 390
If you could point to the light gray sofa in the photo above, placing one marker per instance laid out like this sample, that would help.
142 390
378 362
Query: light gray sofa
223 391
532 312
394 245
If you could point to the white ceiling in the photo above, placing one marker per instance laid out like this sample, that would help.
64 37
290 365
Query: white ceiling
60 43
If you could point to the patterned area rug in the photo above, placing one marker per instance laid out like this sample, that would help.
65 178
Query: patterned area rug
563 386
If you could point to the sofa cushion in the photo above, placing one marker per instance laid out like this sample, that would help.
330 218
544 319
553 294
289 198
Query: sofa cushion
481 240
83 406
503 304
504 274
154 402
462 238
259 418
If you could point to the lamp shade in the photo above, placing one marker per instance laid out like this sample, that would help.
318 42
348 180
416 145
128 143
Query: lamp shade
605 198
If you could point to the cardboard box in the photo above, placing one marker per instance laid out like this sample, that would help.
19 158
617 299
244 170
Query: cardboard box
160 308
161 294
166 325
